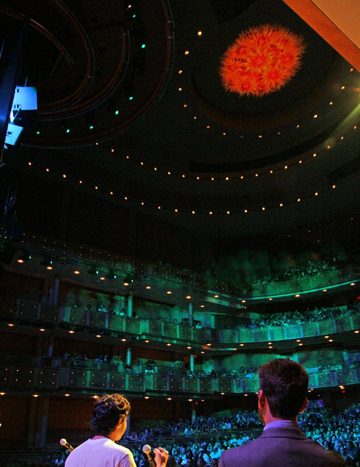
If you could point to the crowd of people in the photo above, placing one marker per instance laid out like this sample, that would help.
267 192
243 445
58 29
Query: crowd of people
309 268
201 442
301 317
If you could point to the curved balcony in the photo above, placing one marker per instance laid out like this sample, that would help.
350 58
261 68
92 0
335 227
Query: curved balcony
305 285
23 311
24 378
76 254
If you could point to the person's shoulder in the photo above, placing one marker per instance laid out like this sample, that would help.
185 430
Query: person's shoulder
235 451
335 460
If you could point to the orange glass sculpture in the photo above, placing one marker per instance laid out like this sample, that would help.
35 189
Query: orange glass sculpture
261 60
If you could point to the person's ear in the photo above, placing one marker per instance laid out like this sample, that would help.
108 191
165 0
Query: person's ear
261 399
304 405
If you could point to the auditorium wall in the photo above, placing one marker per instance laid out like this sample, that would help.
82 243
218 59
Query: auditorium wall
13 428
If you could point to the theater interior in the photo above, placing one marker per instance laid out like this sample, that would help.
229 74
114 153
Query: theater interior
186 189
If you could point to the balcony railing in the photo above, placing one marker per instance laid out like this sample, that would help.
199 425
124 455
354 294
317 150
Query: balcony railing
14 310
67 379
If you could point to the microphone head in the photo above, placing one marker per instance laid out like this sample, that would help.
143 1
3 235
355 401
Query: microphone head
63 442
146 449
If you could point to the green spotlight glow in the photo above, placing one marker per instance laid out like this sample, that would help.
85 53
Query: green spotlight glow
91 127
143 46
131 98
38 132
68 130
116 112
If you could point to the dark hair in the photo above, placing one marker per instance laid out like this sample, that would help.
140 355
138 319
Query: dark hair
107 412
284 384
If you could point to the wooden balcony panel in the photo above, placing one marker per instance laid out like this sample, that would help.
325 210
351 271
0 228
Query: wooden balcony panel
159 382
190 384
225 384
310 329
23 377
246 335
133 325
28 310
97 319
116 322
294 331
175 384
77 379
8 307
136 383
205 385
228 335
5 374
118 381
170 330
344 324
326 327
156 327
185 332
47 377
261 335
78 316
250 384
49 314
98 379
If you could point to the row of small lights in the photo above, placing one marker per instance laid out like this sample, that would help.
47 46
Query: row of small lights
232 177
259 174
357 331
99 259
125 282
227 212
96 397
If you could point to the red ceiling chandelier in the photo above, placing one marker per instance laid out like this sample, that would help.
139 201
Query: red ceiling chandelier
261 60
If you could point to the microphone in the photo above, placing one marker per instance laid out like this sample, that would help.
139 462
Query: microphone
150 455
66 445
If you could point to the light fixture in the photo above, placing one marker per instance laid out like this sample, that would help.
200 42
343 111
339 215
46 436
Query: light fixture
127 280
25 256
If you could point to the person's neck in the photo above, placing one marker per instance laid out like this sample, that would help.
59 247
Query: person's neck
269 418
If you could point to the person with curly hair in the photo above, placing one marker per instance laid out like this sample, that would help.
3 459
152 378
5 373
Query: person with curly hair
109 420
